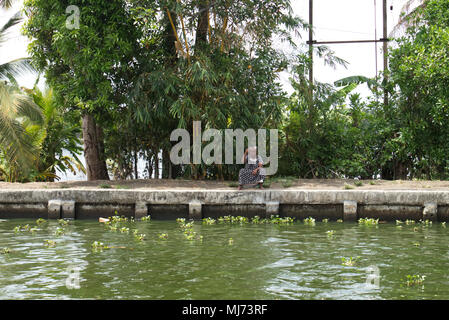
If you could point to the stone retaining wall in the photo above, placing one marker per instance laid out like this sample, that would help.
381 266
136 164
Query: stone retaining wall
348 205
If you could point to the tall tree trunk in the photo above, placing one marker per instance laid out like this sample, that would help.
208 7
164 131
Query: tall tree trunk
156 165
136 162
100 141
166 165
203 23
94 149
150 165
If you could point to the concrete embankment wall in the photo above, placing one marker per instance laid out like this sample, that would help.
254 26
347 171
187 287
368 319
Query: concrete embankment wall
349 205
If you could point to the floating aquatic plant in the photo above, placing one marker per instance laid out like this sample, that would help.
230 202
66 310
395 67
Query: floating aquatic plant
40 221
309 221
412 280
330 233
49 243
146 218
368 221
63 222
117 219
124 230
398 222
255 220
209 221
275 219
59 231
426 222
5 251
99 246
340 220
443 224
231 241
350 262
181 220
409 222
190 235
139 236
325 220
25 228
163 236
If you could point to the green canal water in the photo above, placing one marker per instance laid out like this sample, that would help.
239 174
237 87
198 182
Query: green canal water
261 262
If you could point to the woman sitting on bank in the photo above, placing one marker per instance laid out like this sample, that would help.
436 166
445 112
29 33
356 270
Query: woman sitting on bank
253 172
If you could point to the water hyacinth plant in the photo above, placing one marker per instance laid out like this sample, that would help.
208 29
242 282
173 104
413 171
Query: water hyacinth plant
63 222
209 221
330 233
426 222
98 246
349 262
5 251
25 228
40 221
368 221
309 221
163 236
412 280
49 243
146 218
139 236
117 219
181 220
59 232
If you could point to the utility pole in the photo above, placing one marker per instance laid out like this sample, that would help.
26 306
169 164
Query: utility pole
384 39
385 49
311 52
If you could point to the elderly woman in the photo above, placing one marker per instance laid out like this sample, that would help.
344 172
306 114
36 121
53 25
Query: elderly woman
253 172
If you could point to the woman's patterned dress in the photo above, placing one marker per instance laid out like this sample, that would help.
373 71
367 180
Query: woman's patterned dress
246 174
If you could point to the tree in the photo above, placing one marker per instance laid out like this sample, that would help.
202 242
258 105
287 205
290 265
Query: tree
15 106
420 75
215 63
86 66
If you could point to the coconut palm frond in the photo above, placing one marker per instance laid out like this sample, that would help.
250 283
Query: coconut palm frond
13 137
13 21
6 4
15 68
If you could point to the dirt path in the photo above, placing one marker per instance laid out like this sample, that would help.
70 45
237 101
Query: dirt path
277 183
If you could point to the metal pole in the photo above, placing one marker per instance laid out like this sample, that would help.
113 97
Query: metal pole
311 51
385 49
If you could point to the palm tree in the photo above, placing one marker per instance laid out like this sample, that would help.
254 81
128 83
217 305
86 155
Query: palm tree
56 138
6 3
15 107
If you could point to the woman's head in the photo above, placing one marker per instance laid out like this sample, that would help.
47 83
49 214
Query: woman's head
252 152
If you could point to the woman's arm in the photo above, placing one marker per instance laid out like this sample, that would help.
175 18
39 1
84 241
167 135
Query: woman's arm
244 156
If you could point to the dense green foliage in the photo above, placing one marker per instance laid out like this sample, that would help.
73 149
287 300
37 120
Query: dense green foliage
139 69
